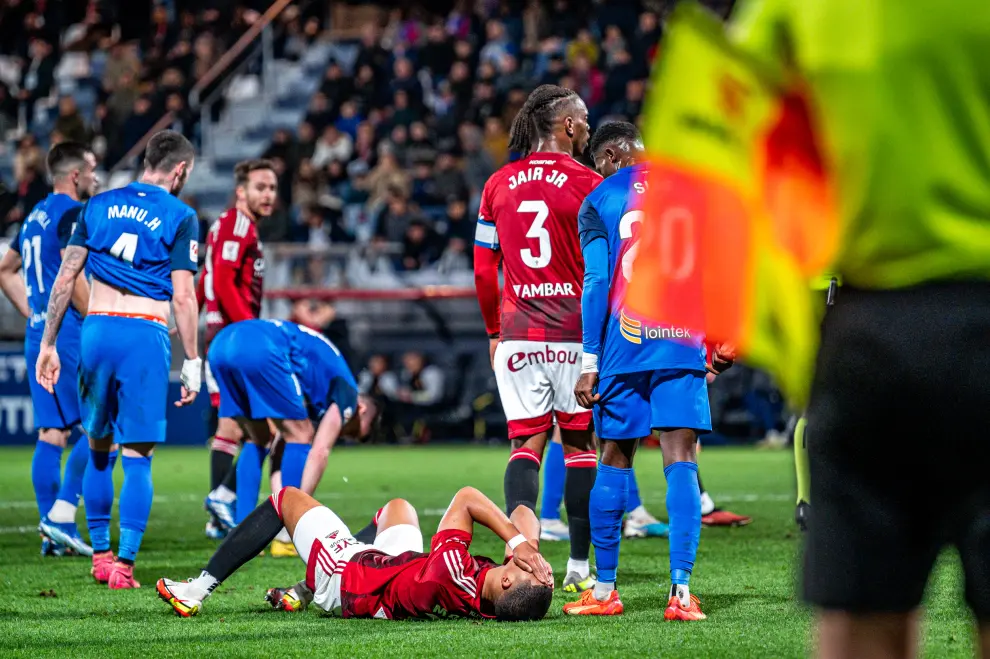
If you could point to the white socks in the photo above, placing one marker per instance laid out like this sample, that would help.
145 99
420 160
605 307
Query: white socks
205 582
638 511
583 568
707 505
224 494
62 512
602 590
283 536
682 593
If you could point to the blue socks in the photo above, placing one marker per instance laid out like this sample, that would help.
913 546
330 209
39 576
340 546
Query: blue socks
293 461
46 470
97 488
75 467
553 482
633 501
605 510
249 478
135 505
684 511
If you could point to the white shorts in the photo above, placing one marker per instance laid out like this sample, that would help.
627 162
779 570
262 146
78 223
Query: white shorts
536 383
325 544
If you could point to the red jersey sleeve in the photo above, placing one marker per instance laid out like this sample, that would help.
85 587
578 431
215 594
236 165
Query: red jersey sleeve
459 576
487 257
235 245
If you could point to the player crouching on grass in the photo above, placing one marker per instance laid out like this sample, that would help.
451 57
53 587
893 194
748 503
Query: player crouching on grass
391 578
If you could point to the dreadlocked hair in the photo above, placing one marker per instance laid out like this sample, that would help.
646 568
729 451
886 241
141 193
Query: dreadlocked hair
535 118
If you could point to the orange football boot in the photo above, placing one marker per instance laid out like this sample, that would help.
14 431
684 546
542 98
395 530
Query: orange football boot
719 517
675 611
589 606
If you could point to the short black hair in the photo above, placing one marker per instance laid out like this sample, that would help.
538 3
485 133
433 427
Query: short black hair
536 116
613 132
166 149
64 157
524 602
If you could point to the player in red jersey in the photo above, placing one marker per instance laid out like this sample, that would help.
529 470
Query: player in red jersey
528 223
230 290
392 578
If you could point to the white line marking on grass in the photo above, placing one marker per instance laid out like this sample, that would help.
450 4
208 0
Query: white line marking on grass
17 530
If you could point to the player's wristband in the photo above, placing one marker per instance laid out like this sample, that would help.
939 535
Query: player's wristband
516 541
494 335
192 374
589 363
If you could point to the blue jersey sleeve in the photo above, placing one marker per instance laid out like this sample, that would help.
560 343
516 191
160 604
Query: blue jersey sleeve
185 249
67 225
594 298
80 235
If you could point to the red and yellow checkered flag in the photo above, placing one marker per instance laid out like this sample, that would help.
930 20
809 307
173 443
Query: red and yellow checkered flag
739 214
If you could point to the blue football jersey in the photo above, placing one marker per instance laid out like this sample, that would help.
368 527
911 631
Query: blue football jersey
43 235
324 376
630 344
136 236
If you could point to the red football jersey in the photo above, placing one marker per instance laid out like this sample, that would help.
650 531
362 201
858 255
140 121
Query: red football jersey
446 583
233 272
529 215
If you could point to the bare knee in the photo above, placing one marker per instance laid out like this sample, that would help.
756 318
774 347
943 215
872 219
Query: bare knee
229 429
619 453
395 512
291 504
577 440
54 436
875 636
679 446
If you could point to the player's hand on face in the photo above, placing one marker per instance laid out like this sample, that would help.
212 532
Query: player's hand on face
492 346
185 396
584 390
528 559
48 368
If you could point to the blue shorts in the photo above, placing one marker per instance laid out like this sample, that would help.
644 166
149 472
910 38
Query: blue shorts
123 378
252 366
634 404
60 411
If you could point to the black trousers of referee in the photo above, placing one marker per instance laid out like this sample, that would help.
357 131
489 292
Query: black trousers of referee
900 447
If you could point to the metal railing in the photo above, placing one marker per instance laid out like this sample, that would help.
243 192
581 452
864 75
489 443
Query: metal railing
262 27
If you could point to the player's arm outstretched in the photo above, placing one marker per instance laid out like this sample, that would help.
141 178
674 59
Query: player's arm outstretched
48 366
594 300
469 506
11 282
327 433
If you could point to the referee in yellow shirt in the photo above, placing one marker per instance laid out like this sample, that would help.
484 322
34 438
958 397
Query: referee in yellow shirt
899 420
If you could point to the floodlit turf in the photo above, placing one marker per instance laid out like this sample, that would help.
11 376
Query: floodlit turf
745 577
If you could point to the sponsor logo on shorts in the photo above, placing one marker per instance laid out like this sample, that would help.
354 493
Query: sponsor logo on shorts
545 355
634 331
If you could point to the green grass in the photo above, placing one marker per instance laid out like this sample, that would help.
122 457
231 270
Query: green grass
746 577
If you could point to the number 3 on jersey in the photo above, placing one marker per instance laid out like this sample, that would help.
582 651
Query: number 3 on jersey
538 231
125 247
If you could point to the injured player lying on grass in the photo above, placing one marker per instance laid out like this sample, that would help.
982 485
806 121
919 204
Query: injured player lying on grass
391 578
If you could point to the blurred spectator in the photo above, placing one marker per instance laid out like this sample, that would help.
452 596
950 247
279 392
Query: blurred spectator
403 112
385 177
589 82
377 380
478 165
349 119
37 76
420 147
420 246
139 123
437 54
305 144
332 146
424 186
620 73
371 52
612 44
456 223
631 105
497 43
404 79
27 157
8 110
336 87
454 258
420 383
644 43
496 141
69 122
305 186
396 217
582 46
449 179
319 115
535 25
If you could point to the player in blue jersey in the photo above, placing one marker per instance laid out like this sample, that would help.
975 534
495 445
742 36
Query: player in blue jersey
139 243
36 254
277 373
639 378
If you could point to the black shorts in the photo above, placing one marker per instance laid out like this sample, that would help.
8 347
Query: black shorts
899 442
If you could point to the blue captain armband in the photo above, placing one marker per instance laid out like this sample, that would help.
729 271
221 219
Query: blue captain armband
485 235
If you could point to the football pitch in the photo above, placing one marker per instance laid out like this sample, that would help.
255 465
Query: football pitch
745 577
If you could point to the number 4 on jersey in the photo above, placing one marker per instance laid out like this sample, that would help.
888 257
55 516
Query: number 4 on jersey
125 247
